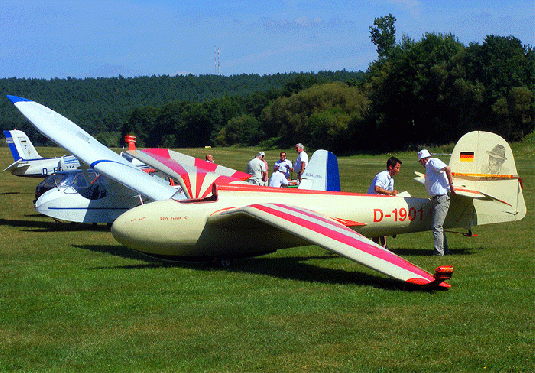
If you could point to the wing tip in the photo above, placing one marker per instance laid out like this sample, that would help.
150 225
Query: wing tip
15 99
442 273
428 284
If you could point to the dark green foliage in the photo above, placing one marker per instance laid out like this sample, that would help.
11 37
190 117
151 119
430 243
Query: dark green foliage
322 116
243 130
435 90
383 35
417 93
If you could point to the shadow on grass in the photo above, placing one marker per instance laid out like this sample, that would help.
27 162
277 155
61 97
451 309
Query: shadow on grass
288 267
403 252
49 225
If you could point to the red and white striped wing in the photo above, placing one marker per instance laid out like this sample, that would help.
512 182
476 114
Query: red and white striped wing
197 182
192 162
333 236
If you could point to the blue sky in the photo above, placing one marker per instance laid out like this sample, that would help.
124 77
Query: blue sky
58 39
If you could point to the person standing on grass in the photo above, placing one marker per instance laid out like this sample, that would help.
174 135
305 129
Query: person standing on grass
301 162
439 185
265 177
383 183
257 169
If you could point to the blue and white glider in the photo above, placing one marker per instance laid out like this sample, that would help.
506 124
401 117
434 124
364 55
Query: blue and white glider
88 150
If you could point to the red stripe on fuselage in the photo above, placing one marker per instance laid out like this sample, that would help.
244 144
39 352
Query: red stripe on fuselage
264 189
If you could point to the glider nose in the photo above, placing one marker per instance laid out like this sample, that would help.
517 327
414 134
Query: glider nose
130 228
150 228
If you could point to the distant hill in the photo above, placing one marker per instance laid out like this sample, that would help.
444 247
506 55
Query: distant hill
104 104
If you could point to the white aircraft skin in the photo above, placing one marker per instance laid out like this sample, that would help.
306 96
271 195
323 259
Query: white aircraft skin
245 220
178 228
84 197
29 163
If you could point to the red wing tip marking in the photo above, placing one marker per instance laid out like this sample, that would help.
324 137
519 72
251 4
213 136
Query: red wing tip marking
349 223
426 283
442 273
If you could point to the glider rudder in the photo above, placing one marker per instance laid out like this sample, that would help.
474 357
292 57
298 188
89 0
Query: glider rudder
483 169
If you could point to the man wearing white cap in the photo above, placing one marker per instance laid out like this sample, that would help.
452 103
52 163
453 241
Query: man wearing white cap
439 185
257 168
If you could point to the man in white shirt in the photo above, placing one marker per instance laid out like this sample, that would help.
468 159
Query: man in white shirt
284 165
383 183
439 185
278 179
257 168
301 162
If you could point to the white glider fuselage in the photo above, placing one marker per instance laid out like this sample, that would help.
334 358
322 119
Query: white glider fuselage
29 163
96 206
40 167
185 228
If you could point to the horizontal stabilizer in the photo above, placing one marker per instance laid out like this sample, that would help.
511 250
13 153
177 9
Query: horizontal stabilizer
14 165
419 177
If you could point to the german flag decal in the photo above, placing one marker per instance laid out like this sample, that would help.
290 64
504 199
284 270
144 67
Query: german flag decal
467 157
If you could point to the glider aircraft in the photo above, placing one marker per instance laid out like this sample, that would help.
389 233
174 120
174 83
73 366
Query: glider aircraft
221 221
86 196
69 192
28 163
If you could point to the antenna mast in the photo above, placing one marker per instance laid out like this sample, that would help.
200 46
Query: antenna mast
217 61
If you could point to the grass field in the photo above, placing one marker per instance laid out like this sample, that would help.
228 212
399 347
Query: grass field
74 300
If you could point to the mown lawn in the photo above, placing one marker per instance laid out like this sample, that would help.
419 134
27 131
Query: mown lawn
72 299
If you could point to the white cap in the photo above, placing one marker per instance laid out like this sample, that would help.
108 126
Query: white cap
260 154
424 153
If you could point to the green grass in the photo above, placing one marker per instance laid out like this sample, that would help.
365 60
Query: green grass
72 299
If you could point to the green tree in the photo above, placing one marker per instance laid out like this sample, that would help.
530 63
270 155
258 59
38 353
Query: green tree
322 116
141 124
412 92
506 69
383 35
243 130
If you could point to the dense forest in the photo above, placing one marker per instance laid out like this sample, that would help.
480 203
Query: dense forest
427 91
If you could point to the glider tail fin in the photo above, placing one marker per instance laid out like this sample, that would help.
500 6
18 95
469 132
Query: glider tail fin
20 145
484 170
322 172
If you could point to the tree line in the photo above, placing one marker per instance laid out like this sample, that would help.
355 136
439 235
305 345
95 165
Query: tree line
427 91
